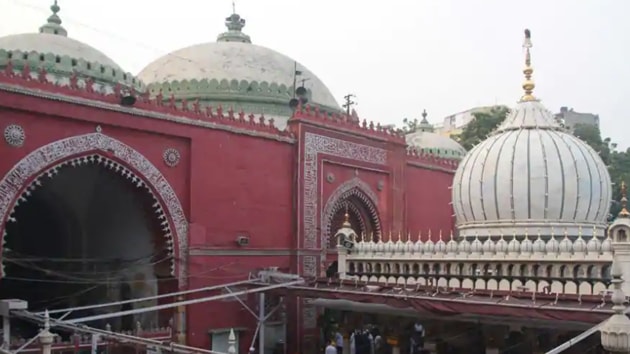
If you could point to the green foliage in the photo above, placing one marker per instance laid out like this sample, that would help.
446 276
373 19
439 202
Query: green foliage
481 126
591 135
410 125
618 162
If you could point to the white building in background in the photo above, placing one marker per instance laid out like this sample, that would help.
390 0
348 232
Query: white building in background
455 123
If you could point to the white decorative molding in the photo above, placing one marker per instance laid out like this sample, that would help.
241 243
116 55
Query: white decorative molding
309 266
318 144
314 145
171 157
353 187
14 135
46 159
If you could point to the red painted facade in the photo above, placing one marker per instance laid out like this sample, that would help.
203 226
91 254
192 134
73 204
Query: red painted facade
240 176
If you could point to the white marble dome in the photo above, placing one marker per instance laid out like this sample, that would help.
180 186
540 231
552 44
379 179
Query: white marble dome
424 140
435 144
61 56
44 43
234 57
531 173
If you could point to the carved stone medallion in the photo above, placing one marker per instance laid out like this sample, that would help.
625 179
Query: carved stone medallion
171 157
14 135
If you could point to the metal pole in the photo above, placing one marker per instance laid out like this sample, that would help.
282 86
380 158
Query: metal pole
184 303
261 321
184 292
575 340
6 332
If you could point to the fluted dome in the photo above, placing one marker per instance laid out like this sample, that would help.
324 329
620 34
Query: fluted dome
233 72
531 174
424 140
51 49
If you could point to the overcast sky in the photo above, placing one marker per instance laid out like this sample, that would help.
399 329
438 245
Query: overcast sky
398 56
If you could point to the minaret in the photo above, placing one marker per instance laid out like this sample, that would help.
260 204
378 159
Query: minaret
619 231
53 24
234 24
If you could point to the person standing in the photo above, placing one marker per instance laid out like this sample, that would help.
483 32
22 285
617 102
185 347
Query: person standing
331 348
339 342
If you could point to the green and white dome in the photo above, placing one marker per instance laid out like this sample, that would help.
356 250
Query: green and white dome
51 49
423 139
234 73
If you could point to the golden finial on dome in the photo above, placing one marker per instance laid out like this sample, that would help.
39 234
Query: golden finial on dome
624 201
528 84
346 219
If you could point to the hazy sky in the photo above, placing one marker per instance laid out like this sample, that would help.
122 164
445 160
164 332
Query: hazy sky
398 56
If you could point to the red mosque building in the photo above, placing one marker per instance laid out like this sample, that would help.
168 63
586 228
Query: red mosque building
116 187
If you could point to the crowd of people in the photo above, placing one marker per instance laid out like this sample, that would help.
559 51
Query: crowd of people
368 340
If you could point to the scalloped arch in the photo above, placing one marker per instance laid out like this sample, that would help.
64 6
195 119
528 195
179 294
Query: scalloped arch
353 187
40 160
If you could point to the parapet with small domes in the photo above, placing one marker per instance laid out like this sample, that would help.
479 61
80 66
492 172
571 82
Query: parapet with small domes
80 87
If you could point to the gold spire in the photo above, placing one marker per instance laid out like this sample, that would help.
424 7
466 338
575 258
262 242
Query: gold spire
624 201
346 219
528 84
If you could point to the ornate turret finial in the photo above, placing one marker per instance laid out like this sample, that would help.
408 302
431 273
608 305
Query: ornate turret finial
234 24
624 201
451 234
399 236
420 235
528 84
424 117
390 236
53 24
440 235
346 219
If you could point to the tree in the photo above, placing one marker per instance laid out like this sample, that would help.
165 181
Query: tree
481 126
409 125
591 135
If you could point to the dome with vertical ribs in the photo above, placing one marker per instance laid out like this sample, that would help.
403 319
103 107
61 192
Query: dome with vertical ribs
531 174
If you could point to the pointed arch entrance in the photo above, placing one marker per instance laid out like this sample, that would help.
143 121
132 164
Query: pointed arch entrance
361 202
93 185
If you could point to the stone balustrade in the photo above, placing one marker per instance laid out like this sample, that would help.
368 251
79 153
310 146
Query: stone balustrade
553 265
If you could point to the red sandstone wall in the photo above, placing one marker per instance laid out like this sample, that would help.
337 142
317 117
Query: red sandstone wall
428 198
216 269
228 185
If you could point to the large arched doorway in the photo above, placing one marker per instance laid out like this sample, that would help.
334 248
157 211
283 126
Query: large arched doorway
89 230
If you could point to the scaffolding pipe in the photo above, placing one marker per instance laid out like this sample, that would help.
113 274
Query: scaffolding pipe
170 347
184 292
261 322
184 303
404 295
575 340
